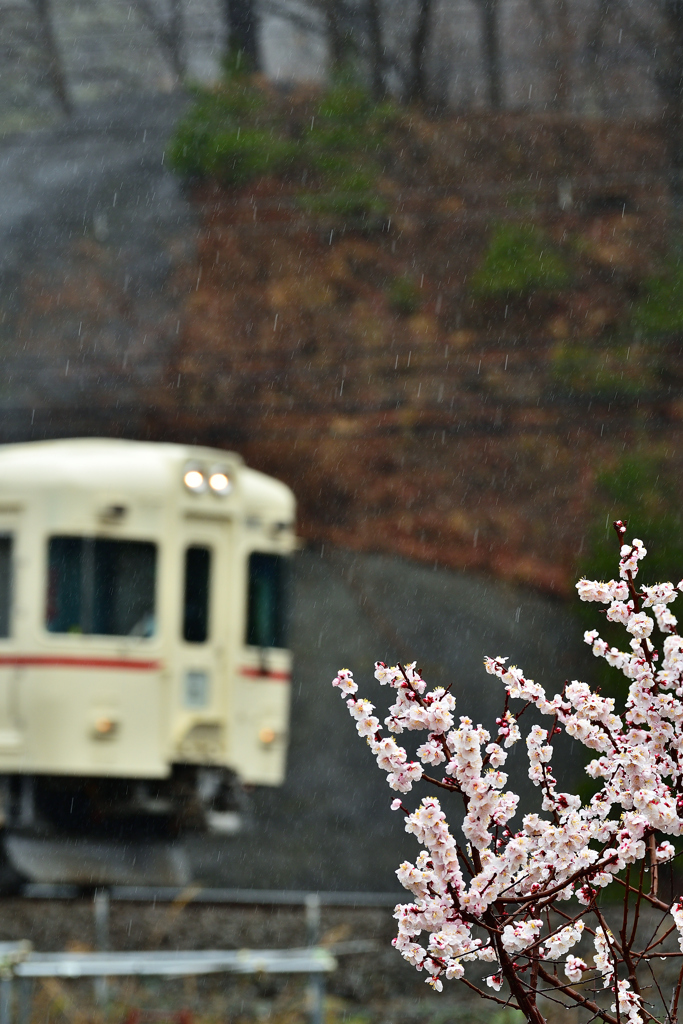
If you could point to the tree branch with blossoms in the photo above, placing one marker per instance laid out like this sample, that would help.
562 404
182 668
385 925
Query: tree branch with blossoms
523 900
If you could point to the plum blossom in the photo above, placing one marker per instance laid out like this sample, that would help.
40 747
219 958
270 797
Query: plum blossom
574 968
629 1003
344 680
559 944
509 889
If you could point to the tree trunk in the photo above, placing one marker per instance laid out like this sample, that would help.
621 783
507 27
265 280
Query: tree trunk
376 50
563 56
491 48
417 81
673 128
241 23
595 44
53 59
336 39
175 37
670 81
557 41
168 32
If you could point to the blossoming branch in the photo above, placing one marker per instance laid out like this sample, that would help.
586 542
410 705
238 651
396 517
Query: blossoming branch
522 899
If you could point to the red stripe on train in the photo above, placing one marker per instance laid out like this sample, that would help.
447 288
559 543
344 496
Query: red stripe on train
64 661
257 673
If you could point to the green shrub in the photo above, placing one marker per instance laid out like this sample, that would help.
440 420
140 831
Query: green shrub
352 196
519 260
346 103
192 151
233 136
616 373
241 155
660 310
404 295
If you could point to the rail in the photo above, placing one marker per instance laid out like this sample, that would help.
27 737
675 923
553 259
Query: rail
203 894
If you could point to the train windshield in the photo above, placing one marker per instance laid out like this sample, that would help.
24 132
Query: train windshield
267 610
106 587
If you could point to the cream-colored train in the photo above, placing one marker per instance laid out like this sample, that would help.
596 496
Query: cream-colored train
143 654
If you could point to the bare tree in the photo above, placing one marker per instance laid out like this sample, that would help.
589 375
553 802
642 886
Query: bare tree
658 31
594 47
490 37
336 36
242 26
557 41
376 50
53 60
417 69
167 31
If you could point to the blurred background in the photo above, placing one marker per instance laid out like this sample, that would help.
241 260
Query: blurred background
419 259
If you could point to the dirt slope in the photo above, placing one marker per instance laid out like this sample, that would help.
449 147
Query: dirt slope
467 430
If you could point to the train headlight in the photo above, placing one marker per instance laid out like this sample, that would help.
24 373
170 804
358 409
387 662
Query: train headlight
194 480
105 728
219 482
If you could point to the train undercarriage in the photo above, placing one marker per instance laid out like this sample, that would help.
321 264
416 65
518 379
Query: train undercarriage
112 831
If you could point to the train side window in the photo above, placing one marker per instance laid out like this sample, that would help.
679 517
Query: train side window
267 600
5 584
197 587
103 587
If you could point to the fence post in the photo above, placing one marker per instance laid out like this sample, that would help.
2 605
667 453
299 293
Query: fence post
101 914
316 982
25 1000
6 998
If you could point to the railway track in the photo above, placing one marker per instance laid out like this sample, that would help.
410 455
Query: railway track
206 895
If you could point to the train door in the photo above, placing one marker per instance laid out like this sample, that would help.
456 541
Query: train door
203 642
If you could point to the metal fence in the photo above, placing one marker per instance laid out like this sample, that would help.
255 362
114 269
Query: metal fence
21 965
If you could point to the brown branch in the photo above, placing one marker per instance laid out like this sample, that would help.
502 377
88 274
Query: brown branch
485 995
577 997
654 867
442 785
673 1009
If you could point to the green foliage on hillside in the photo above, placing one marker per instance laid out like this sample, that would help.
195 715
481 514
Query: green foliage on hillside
660 310
519 260
613 373
404 295
238 133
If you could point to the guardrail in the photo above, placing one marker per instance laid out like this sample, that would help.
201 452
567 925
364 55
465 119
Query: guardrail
19 962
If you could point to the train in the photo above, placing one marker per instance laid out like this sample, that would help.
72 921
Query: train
144 662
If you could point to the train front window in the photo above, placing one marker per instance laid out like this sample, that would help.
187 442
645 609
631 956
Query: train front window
104 587
267 600
196 603
5 584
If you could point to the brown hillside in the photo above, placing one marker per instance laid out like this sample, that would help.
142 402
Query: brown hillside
467 431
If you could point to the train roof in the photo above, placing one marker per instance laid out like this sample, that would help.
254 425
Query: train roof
113 464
